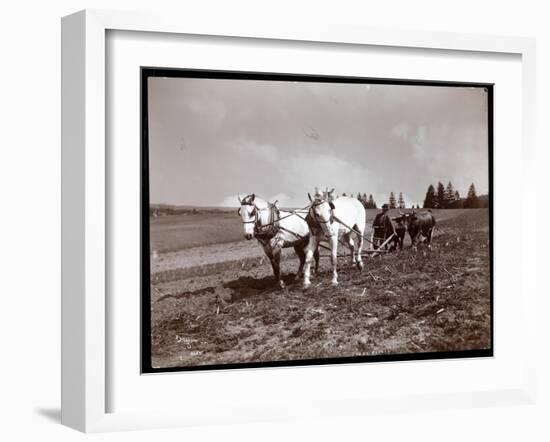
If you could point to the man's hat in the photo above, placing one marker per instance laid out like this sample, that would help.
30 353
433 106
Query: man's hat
385 206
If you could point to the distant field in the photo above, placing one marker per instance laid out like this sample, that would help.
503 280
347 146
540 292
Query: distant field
179 232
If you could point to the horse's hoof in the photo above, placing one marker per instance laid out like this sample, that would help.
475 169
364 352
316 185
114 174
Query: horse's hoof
360 265
307 286
282 285
334 283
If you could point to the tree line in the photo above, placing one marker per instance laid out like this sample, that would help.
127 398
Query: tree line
449 198
442 198
367 201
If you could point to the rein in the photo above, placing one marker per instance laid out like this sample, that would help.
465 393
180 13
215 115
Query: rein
271 205
315 219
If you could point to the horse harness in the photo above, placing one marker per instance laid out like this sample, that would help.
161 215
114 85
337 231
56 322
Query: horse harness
313 221
267 231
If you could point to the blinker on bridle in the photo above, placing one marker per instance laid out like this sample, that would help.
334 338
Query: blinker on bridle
318 203
254 212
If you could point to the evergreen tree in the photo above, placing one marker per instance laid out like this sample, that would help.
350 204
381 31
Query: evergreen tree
449 196
371 203
401 201
392 202
417 206
430 200
458 201
472 201
441 202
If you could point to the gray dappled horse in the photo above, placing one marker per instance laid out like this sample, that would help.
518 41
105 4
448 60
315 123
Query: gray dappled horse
330 218
276 229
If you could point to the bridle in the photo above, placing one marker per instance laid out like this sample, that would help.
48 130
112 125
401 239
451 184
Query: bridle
255 212
269 229
318 221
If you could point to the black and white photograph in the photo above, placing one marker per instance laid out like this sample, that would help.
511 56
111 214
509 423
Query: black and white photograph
299 220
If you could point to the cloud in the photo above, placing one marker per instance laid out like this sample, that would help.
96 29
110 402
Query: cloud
283 200
230 201
281 139
420 144
301 170
304 173
211 111
401 131
248 148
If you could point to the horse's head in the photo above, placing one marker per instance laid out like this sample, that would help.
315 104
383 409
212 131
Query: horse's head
408 217
249 214
321 210
401 218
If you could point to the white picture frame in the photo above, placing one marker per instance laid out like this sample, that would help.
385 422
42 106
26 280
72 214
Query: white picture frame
85 210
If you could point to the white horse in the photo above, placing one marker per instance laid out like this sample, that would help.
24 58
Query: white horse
331 218
276 229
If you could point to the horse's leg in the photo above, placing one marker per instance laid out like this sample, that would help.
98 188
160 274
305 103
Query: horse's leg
274 255
302 257
311 248
276 262
316 257
359 260
390 245
429 238
334 258
351 246
413 242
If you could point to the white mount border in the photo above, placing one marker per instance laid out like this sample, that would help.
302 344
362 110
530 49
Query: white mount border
84 200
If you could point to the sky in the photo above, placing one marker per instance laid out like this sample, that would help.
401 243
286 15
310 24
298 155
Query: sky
211 140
